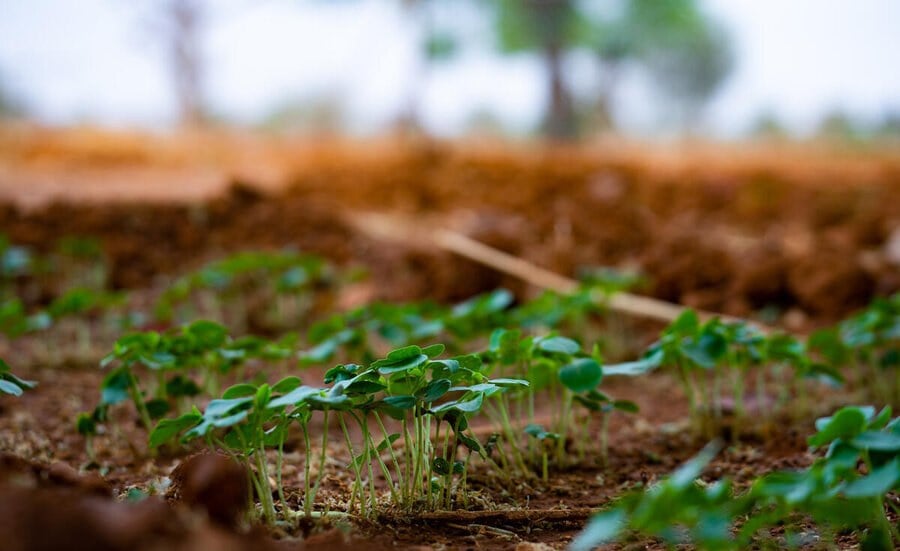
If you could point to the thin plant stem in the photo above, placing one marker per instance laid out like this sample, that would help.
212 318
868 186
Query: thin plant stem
322 459
357 485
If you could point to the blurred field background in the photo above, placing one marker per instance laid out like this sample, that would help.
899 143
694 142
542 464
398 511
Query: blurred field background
742 155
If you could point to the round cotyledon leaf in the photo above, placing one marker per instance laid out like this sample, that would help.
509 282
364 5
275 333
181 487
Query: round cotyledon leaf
581 375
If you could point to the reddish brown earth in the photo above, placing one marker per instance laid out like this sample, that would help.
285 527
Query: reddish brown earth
805 235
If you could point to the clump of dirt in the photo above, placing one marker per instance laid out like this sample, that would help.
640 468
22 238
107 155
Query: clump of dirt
689 270
723 240
214 484
54 508
829 282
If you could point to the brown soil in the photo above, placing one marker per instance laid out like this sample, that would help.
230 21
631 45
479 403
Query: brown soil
799 237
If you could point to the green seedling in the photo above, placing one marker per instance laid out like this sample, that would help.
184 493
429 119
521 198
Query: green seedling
15 262
245 422
10 383
834 492
81 262
708 357
283 280
557 367
600 404
356 333
158 372
15 321
870 341
432 400
546 440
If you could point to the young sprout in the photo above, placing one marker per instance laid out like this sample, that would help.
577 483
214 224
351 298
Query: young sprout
82 262
11 384
281 279
871 340
833 492
599 403
244 423
554 366
157 372
706 356
546 440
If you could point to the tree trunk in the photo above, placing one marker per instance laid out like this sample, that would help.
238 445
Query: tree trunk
408 122
186 60
559 120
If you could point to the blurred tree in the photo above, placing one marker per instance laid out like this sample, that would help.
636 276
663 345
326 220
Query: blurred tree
840 126
434 45
889 127
185 18
768 126
551 28
11 105
686 54
178 25
321 113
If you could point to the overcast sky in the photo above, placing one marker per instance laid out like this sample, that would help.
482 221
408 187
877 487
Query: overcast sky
98 60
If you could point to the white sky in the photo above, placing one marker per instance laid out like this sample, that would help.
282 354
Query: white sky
98 60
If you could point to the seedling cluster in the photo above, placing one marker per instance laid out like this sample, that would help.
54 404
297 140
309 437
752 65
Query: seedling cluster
515 393
845 490
427 400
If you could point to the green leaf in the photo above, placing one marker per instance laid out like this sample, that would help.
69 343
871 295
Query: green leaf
295 397
223 406
363 386
825 373
209 334
689 471
168 429
433 350
387 442
287 384
685 324
882 419
85 424
542 372
707 350
882 480
469 443
114 388
878 441
441 466
467 406
469 361
603 528
635 368
180 385
450 366
340 373
402 359
404 353
435 389
581 375
845 424
156 408
8 387
538 432
401 402
505 343
241 390
558 345
625 405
